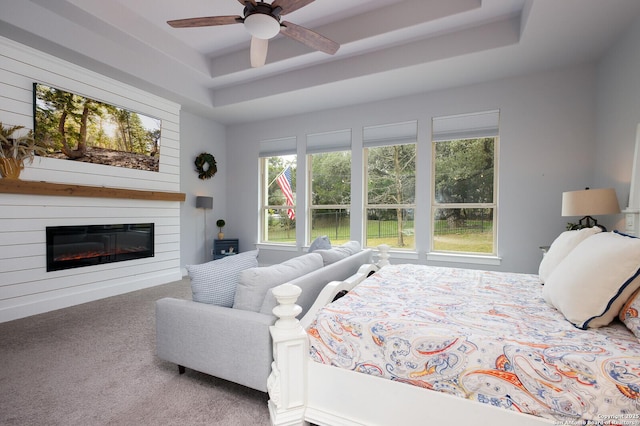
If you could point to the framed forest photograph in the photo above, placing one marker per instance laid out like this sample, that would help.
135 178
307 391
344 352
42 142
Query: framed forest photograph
82 129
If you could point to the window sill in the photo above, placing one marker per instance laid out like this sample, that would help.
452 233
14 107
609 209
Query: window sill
464 258
398 254
276 247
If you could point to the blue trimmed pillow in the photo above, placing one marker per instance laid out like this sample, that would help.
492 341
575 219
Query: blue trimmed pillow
215 282
592 283
629 314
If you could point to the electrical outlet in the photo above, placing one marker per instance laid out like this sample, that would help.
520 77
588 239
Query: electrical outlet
629 222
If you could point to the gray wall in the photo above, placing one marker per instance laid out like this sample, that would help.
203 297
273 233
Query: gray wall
560 130
618 115
547 146
197 135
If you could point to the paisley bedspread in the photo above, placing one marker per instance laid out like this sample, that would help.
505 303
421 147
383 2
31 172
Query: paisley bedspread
485 336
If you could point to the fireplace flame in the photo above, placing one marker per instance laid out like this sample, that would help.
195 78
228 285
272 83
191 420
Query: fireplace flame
98 253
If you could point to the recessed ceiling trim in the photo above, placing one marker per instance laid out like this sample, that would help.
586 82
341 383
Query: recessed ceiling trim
412 17
488 36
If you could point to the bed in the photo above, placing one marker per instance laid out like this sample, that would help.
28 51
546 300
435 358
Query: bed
401 348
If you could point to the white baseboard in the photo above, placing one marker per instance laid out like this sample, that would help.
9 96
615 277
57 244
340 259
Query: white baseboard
98 291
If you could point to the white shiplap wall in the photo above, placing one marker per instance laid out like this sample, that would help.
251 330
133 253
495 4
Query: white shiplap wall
26 288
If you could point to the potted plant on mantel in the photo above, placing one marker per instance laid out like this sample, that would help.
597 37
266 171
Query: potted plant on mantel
16 150
220 224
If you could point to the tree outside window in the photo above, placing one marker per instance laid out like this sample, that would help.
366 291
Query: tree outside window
330 195
390 159
464 177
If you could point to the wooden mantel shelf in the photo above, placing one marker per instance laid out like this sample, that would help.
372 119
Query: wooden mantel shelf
17 186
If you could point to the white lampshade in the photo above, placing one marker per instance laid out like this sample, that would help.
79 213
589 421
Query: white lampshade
590 202
262 26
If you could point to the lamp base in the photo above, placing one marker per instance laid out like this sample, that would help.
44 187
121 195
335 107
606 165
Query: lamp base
587 222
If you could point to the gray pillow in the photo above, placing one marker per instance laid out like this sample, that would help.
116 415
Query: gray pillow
312 283
254 283
215 282
337 253
320 243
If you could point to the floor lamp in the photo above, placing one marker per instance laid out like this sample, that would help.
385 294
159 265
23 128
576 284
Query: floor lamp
204 203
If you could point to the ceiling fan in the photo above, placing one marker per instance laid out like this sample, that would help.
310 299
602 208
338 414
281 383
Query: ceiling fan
262 20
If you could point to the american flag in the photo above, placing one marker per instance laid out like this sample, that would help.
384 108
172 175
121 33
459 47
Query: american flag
284 181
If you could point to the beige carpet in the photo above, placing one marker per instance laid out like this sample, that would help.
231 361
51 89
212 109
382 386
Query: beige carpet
95 364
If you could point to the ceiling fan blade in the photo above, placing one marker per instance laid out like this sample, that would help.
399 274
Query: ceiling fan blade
206 21
289 6
258 52
309 38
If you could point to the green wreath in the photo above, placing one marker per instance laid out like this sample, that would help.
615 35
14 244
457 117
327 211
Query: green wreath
208 160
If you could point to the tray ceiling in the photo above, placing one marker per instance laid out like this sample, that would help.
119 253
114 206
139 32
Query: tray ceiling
388 47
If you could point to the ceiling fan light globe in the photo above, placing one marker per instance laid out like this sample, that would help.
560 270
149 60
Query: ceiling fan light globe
262 26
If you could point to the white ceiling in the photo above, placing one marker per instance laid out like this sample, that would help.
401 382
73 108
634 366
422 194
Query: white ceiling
388 47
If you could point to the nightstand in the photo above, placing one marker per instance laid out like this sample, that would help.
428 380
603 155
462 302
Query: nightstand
225 247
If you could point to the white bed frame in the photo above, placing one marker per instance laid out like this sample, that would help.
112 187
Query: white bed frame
303 391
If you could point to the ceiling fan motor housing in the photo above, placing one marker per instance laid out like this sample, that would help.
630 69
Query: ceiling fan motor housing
262 20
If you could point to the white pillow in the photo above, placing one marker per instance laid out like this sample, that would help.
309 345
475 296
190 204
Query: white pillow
215 282
561 247
593 282
254 283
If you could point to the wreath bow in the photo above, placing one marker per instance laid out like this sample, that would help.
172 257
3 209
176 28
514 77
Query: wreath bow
208 160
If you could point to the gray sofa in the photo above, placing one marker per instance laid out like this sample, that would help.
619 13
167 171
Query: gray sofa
234 343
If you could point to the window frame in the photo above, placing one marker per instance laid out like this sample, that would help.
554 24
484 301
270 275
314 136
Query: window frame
311 207
264 202
435 205
388 140
324 143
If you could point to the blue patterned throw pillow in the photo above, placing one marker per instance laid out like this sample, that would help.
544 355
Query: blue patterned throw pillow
215 282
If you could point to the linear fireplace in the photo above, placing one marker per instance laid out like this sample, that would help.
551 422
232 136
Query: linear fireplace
85 245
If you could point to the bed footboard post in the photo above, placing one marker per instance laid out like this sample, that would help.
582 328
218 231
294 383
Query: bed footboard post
383 255
287 385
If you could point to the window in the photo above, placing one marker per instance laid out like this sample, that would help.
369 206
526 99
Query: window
464 207
390 175
329 171
278 191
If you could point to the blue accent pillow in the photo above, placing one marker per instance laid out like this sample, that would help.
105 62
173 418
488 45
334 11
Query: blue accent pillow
320 243
215 282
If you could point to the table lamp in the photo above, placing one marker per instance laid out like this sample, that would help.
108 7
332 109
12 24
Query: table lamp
588 203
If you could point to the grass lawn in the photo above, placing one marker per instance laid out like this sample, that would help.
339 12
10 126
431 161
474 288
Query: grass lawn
469 241
477 242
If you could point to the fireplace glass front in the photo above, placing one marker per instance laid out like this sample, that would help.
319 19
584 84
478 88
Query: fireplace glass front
85 245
